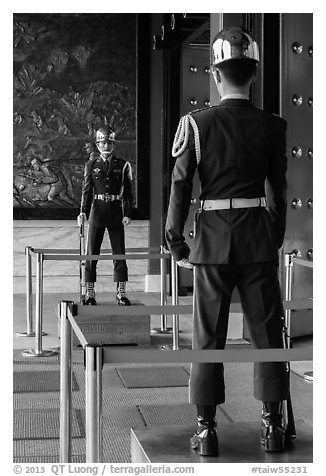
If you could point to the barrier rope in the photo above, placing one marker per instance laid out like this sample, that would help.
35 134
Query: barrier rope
70 257
43 254
148 310
143 355
302 262
106 250
224 355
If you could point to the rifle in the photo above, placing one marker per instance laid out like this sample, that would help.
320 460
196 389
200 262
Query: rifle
82 284
286 331
290 431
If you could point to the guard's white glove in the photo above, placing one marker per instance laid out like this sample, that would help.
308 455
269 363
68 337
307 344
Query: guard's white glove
185 263
81 218
126 221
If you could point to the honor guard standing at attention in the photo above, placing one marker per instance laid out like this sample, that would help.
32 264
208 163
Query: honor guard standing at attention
240 153
107 202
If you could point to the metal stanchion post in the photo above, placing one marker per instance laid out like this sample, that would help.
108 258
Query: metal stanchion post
288 294
163 290
93 390
65 384
163 329
175 302
175 317
29 305
38 351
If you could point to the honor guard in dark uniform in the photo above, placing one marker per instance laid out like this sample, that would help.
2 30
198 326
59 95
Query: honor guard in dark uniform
107 203
240 153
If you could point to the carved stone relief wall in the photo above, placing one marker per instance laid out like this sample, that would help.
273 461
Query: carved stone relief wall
72 74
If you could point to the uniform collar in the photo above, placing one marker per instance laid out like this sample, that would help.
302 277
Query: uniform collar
108 159
235 102
235 96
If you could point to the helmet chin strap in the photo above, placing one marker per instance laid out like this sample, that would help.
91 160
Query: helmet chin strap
104 154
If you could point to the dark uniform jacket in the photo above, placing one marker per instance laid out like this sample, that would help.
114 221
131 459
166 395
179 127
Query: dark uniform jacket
243 152
113 180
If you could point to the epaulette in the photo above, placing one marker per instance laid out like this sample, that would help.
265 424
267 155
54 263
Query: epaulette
198 110
182 137
203 109
93 156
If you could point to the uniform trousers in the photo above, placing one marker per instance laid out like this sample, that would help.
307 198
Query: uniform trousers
94 242
260 295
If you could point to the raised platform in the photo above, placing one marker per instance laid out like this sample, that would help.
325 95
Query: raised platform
238 443
112 329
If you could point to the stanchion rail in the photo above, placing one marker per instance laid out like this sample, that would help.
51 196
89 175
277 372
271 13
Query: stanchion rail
97 355
302 262
72 257
69 255
71 251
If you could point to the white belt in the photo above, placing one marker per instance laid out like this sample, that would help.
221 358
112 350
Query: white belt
229 203
107 197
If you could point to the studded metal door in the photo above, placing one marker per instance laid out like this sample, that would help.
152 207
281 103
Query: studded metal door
196 92
296 81
195 80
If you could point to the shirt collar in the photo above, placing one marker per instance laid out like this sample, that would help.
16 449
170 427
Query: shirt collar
235 96
106 159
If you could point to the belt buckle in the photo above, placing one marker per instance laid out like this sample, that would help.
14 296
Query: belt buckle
107 197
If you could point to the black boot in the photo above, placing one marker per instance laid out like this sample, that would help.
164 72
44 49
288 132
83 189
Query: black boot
121 294
123 300
205 439
90 292
272 429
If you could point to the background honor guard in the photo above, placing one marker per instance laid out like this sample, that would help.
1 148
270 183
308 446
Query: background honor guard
238 150
107 202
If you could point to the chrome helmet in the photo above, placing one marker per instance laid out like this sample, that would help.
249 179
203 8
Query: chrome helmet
105 133
234 43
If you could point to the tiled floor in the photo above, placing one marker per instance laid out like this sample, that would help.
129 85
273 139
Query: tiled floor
123 407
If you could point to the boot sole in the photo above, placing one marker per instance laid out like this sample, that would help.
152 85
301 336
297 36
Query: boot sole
273 445
207 448
204 451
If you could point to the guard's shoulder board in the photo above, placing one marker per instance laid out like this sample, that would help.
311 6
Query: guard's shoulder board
198 110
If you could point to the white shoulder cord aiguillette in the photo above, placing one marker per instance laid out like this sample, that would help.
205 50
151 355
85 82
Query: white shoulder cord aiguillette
182 136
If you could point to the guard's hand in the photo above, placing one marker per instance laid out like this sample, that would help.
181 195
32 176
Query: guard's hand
185 263
126 221
81 218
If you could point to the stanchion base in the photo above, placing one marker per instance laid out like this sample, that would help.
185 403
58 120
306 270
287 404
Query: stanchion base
158 330
28 334
180 347
309 376
239 442
42 353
